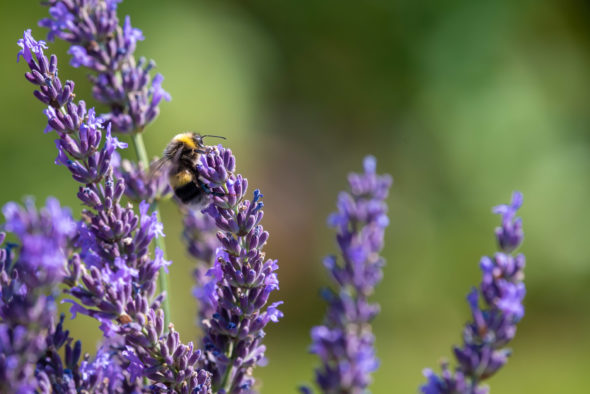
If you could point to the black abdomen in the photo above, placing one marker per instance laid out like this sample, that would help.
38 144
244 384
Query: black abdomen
190 193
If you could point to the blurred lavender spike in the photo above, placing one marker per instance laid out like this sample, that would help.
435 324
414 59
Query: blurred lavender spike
140 183
102 45
201 239
484 338
241 280
345 342
113 278
28 287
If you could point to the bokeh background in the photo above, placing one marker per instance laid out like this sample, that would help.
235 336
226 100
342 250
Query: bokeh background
461 101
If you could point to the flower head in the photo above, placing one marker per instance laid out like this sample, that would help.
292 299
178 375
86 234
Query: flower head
344 343
241 281
100 43
29 47
509 234
493 326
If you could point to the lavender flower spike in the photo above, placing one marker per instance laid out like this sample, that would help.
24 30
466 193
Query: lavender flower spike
242 280
345 342
28 286
484 338
102 45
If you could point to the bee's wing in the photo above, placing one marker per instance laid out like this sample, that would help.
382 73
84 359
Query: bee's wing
156 166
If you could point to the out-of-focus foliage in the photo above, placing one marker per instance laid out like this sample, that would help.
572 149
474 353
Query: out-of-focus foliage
461 101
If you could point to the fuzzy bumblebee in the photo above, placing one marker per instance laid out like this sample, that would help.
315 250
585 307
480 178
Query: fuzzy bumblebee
181 156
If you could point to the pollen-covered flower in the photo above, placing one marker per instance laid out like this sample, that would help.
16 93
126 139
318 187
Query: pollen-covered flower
345 342
493 326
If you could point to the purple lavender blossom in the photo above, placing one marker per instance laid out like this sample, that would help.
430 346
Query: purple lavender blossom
102 45
345 343
241 279
484 338
28 286
113 278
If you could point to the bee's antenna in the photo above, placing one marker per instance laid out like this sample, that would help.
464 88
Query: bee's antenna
215 136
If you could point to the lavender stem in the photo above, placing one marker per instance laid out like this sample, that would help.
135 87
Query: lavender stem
142 156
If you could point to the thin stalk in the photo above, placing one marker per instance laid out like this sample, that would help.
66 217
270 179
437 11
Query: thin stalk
224 380
162 277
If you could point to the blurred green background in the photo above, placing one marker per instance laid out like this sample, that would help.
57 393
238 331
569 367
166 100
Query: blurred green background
461 101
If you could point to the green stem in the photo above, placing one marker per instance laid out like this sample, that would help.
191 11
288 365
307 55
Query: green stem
140 149
228 370
162 277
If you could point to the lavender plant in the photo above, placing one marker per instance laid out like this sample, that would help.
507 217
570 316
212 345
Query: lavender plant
345 342
117 280
485 338
101 44
241 280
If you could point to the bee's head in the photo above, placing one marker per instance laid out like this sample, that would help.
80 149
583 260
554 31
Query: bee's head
198 140
186 144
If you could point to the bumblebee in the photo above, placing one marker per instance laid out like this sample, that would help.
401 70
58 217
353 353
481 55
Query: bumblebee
181 156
